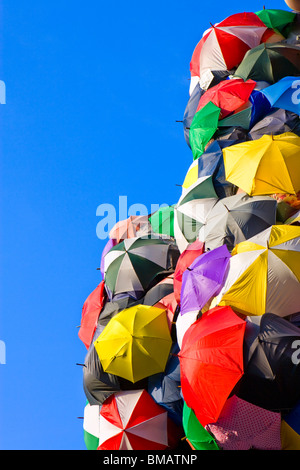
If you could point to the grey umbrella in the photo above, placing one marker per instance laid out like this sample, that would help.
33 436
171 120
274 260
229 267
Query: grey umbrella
276 122
237 218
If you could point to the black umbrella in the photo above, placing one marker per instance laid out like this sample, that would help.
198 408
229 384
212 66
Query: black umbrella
271 364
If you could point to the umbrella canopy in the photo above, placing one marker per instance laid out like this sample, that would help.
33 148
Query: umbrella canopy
90 313
190 111
290 429
211 163
271 365
132 266
244 426
264 273
132 420
278 121
276 19
283 94
203 127
192 251
134 226
192 209
91 428
162 296
183 322
162 221
195 433
135 343
203 279
248 164
237 218
224 45
228 95
211 362
270 62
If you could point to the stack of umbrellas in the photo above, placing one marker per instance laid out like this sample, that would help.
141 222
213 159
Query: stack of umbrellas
193 332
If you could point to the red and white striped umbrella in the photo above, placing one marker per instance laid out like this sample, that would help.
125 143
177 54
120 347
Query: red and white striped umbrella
132 420
224 45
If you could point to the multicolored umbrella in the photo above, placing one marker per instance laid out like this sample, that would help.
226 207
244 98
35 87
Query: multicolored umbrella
247 165
211 362
269 62
131 420
135 343
91 426
132 266
237 218
224 45
203 279
264 273
244 426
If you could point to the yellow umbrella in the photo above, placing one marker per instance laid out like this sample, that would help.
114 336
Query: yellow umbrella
135 343
264 274
265 166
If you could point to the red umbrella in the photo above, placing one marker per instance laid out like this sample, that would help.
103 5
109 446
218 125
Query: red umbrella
224 45
228 95
211 361
132 420
186 258
90 313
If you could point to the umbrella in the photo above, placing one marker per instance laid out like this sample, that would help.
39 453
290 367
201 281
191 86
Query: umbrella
270 62
132 266
203 127
131 420
224 45
276 19
91 428
264 273
284 94
135 343
290 429
162 296
237 218
109 244
134 226
192 251
190 111
192 209
228 95
162 221
203 279
211 362
271 365
183 322
244 426
196 434
277 121
211 163
247 165
90 313
294 219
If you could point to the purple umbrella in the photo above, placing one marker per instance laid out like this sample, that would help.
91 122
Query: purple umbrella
203 279
111 242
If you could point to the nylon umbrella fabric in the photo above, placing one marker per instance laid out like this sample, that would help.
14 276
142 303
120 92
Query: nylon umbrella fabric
91 426
247 165
284 94
277 121
135 343
203 279
270 63
244 426
237 218
271 366
132 266
134 226
196 434
211 362
133 421
276 19
90 313
263 274
190 111
224 45
162 221
203 127
192 251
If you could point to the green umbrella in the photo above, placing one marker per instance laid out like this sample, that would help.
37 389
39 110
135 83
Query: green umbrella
276 19
162 221
270 62
196 434
203 127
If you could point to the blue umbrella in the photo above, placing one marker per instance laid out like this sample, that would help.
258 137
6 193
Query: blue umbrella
284 94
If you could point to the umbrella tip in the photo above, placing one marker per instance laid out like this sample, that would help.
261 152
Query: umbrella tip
78 364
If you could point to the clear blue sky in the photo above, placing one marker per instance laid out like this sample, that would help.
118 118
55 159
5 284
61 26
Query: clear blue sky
93 90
